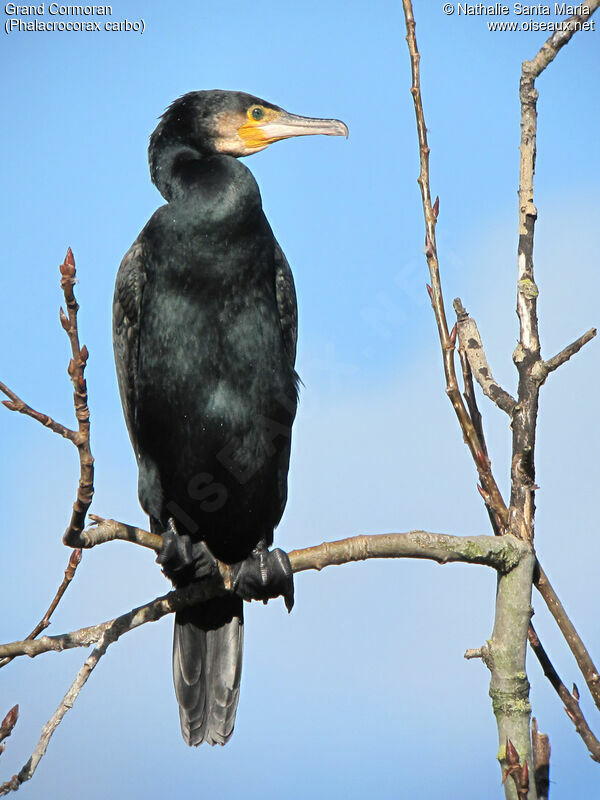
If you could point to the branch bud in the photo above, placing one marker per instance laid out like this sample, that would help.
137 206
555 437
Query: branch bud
67 268
436 207
512 757
525 776
74 562
9 722
429 250
481 460
429 291
64 320
84 354
575 692
453 333
484 494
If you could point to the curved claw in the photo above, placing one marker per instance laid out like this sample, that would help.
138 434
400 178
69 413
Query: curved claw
265 575
183 560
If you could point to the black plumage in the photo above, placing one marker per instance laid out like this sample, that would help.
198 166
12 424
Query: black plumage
205 329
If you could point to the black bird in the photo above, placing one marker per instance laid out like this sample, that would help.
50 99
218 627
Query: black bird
204 328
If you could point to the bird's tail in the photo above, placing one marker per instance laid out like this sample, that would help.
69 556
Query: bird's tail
207 668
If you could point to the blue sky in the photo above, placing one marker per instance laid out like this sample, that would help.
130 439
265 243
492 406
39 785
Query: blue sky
363 688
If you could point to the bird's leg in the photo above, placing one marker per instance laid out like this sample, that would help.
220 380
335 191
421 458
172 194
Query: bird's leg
265 574
182 560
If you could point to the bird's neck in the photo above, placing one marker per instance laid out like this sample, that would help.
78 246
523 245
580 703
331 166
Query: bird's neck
170 166
212 187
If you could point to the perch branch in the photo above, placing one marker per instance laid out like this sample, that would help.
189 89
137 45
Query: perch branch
108 530
500 553
503 553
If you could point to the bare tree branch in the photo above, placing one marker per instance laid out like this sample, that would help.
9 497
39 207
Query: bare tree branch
511 555
571 701
579 650
107 530
28 770
500 553
542 369
507 647
503 553
16 404
435 290
80 437
470 341
527 356
559 39
85 490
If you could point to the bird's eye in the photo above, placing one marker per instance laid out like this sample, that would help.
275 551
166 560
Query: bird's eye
257 113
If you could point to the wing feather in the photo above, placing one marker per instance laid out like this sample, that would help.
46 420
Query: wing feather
127 307
286 302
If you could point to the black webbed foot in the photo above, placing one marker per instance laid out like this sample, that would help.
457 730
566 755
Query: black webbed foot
182 560
265 574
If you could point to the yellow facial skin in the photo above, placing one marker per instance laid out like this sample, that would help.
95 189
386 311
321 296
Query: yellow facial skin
252 132
242 134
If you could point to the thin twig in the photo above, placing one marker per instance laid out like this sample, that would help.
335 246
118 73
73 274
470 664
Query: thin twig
541 761
509 688
16 404
85 490
571 701
475 414
430 211
579 650
543 368
28 770
74 561
80 437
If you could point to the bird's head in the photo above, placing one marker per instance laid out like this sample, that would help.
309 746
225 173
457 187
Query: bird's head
236 123
230 123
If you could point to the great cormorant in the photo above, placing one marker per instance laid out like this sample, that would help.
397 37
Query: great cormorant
205 326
